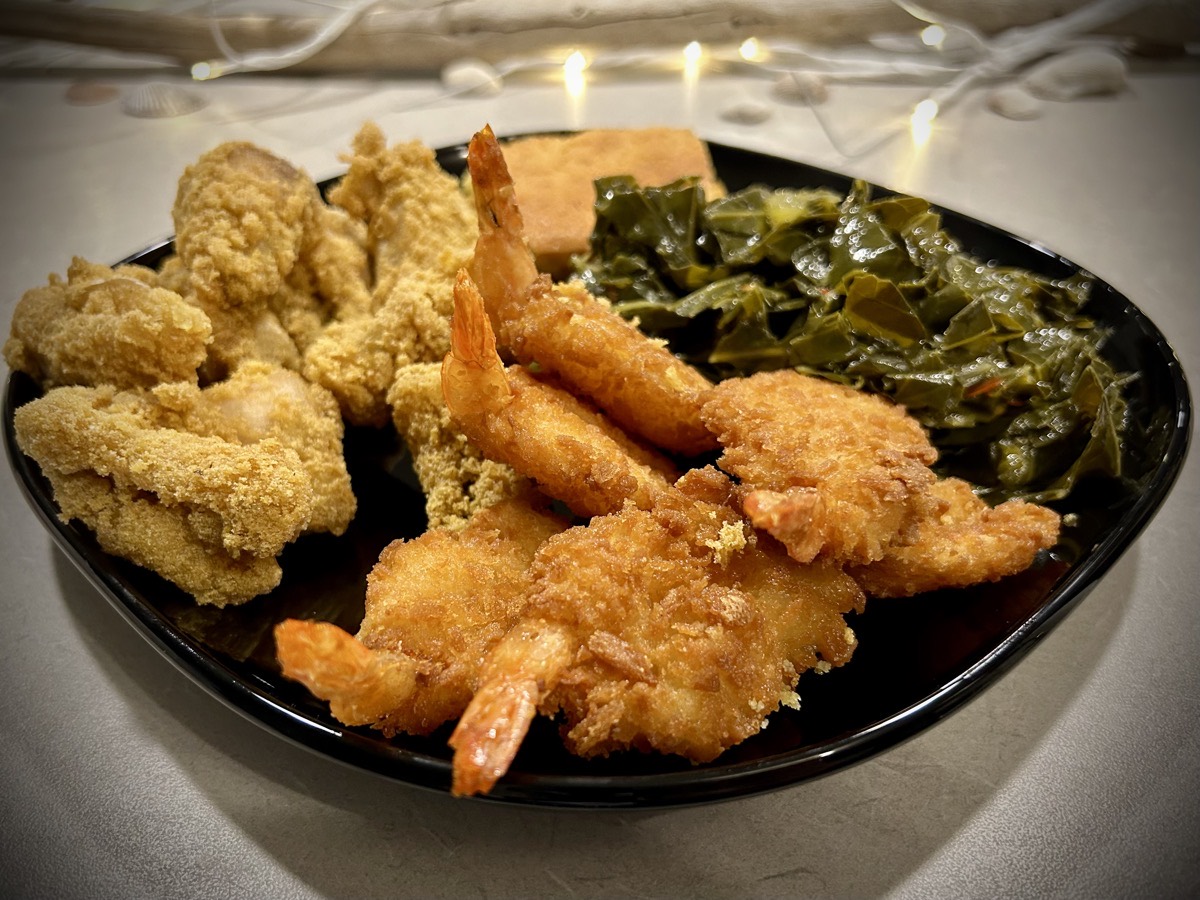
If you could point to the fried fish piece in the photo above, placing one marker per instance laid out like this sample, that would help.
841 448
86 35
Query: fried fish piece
136 526
261 401
241 214
435 605
960 542
830 471
227 499
106 326
675 628
264 257
420 230
457 479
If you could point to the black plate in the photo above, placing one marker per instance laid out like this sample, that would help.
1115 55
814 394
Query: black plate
917 660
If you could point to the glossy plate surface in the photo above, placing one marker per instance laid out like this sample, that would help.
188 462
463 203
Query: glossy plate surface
917 659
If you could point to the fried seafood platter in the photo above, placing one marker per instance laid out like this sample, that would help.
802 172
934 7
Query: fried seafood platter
381 481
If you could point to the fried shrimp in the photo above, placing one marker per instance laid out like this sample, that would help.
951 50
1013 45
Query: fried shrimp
435 605
542 431
961 542
827 470
635 380
676 629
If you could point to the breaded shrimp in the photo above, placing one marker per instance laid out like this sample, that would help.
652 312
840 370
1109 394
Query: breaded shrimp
435 605
829 471
676 629
961 542
540 430
595 353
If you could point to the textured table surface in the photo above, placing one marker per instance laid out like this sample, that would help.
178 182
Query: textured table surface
1076 774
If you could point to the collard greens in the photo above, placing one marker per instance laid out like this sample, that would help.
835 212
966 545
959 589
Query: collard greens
999 363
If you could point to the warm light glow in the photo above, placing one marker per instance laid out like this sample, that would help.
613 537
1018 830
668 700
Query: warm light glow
922 121
933 35
573 73
203 71
749 50
691 62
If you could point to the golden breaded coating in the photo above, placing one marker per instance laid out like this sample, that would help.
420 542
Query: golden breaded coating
243 499
240 215
335 262
456 478
544 432
135 526
435 605
259 402
106 326
594 352
828 470
963 541
642 635
244 334
420 230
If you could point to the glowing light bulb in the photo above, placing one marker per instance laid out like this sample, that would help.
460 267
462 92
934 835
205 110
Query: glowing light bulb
933 35
922 121
573 73
206 71
749 50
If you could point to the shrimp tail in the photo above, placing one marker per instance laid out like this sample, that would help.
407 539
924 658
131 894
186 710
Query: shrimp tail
362 685
521 670
495 196
473 379
503 265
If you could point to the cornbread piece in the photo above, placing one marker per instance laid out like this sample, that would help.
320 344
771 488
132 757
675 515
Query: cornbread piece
554 178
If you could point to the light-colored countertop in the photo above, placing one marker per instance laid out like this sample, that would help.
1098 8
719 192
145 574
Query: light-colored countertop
1076 774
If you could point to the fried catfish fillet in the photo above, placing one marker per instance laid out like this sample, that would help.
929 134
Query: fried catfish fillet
830 471
266 259
675 628
420 230
457 479
106 326
117 471
960 542
240 216
435 605
259 402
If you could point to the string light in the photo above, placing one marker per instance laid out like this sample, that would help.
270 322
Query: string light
573 69
933 35
750 49
922 121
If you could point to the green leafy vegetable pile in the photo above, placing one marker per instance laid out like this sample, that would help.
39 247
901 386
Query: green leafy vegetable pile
999 363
